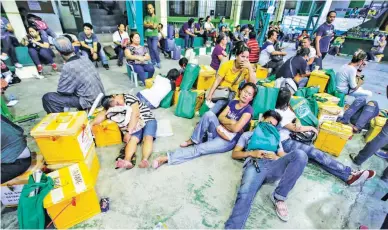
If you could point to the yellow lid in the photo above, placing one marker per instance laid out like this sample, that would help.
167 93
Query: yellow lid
345 131
320 73
60 124
68 183
327 96
379 121
330 108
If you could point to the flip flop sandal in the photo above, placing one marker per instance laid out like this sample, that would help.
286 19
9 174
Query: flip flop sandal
121 154
281 210
144 164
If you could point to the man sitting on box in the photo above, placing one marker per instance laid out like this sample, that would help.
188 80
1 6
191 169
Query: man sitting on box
289 143
79 83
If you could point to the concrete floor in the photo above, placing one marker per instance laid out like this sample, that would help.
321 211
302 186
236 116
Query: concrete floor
201 193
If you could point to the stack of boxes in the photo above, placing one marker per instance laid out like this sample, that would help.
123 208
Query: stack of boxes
66 143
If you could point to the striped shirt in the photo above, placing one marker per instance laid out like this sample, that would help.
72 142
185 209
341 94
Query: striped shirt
255 50
145 112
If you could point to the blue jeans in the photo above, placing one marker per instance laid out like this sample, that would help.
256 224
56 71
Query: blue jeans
189 40
153 47
360 113
144 100
149 129
221 104
287 168
142 70
303 82
42 55
214 144
48 32
372 147
119 52
100 51
321 158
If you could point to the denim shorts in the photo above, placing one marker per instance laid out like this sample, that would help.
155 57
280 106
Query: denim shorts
148 130
144 100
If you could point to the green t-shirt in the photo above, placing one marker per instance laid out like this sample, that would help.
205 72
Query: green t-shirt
151 32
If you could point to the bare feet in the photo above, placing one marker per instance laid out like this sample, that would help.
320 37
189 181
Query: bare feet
159 161
187 143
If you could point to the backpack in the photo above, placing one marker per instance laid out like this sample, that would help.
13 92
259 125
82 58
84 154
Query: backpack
40 25
286 83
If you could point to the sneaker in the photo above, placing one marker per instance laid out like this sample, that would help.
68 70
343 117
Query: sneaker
120 63
158 65
40 69
382 154
18 65
358 178
55 67
106 66
281 208
372 174
353 157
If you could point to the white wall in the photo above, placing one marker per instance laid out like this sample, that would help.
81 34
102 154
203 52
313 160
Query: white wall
85 11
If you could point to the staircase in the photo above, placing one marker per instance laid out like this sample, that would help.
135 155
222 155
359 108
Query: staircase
102 22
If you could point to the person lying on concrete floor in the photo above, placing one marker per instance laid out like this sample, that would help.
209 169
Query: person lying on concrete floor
91 47
230 75
138 56
265 161
79 83
359 114
159 90
8 42
319 157
137 122
373 147
349 80
39 49
215 135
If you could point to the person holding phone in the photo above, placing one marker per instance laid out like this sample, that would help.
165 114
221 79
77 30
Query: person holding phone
349 78
120 40
39 49
230 75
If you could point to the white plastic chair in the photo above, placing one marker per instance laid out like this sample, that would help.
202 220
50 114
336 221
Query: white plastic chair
133 75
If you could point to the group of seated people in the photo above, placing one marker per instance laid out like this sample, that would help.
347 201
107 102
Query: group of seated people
269 153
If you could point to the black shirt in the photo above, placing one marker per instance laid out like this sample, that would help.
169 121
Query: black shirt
298 65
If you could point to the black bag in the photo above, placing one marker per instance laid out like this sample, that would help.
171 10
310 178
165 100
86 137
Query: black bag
304 137
110 52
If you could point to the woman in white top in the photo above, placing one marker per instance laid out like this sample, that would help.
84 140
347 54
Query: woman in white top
210 30
120 40
159 90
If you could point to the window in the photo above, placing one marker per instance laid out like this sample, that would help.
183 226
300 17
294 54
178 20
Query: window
223 9
188 8
248 10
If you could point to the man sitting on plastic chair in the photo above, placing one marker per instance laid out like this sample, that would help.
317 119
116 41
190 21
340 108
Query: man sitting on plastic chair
79 84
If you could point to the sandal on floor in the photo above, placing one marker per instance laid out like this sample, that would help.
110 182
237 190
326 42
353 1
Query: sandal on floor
186 144
123 164
121 154
281 208
144 164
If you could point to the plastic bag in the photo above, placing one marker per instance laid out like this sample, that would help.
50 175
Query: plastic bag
167 100
302 110
186 104
332 85
306 92
265 137
264 100
190 76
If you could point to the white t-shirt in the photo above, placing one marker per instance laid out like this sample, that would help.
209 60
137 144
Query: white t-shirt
117 37
265 55
158 91
313 52
208 25
287 117
346 78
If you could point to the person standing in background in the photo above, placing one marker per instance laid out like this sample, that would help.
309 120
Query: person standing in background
151 23
325 33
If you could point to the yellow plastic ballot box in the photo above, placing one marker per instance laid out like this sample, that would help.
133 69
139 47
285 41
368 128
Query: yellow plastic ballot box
206 77
107 133
91 162
261 72
73 198
63 137
376 125
328 111
330 98
332 137
11 190
149 82
318 78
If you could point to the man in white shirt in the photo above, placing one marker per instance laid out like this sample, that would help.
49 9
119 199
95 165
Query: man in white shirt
348 80
267 50
120 40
